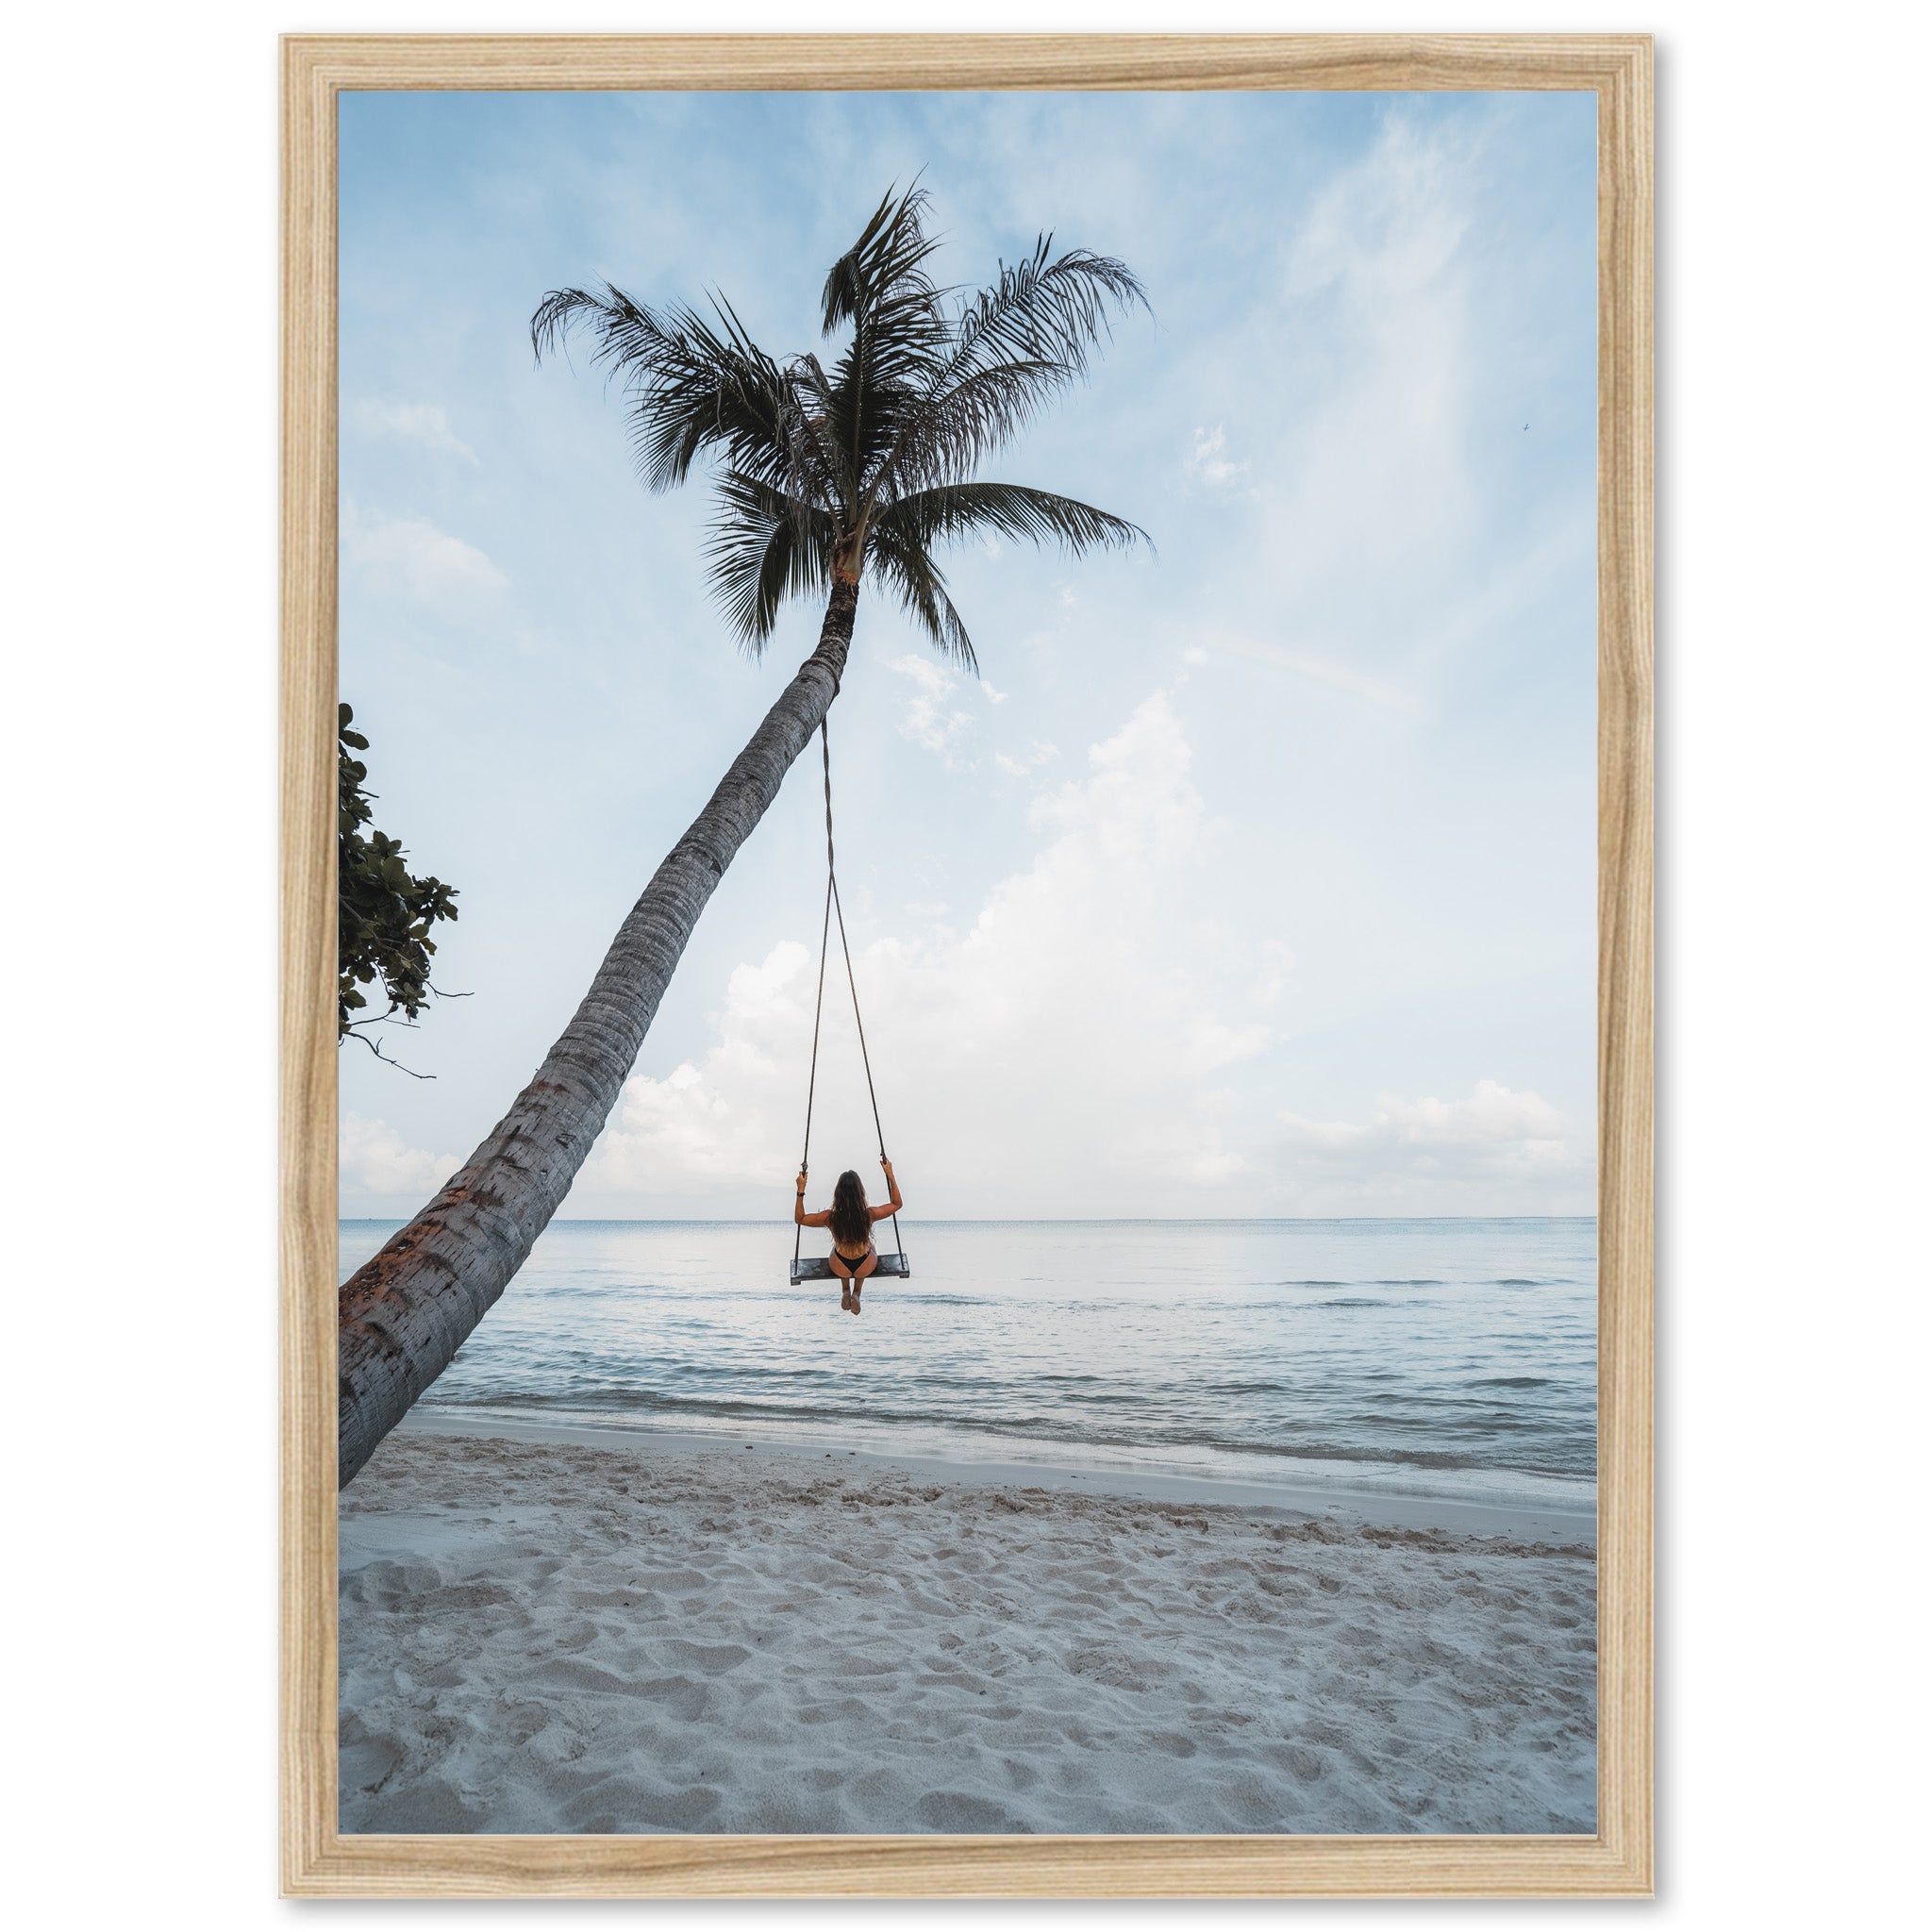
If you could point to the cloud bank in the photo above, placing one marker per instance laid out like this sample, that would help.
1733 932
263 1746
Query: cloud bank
1075 1049
1064 1054
426 425
1512 1151
411 559
381 1172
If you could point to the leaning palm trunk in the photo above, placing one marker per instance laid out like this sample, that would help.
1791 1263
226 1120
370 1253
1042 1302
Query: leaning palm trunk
405 1313
823 476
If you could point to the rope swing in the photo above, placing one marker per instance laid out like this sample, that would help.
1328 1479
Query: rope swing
818 1268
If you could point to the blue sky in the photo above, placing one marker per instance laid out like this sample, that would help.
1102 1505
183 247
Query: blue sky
1257 874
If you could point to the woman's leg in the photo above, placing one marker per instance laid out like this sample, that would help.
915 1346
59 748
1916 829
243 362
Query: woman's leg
863 1272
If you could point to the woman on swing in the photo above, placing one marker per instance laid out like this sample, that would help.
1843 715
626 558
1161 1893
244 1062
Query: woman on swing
850 1221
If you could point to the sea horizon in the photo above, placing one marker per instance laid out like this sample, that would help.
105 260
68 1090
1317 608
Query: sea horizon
1006 1220
1443 1356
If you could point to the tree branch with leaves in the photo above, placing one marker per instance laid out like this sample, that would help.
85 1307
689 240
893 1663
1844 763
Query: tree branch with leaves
384 912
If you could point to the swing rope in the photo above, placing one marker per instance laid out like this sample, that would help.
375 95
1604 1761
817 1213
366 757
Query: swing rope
834 905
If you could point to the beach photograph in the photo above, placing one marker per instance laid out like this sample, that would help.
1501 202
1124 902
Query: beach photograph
968 963
1075 1042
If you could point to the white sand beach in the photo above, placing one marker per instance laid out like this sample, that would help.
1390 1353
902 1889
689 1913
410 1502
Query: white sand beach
547 1636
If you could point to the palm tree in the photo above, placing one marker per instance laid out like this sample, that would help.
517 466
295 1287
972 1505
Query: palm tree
823 477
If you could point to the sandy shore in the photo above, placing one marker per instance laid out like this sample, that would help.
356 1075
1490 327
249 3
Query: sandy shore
586 1636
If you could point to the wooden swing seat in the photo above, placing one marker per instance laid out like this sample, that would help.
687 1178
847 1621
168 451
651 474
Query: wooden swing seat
816 1268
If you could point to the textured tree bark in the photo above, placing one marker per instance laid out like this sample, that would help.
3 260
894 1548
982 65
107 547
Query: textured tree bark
405 1313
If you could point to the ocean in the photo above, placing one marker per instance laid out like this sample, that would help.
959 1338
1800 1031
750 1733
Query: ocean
1436 1357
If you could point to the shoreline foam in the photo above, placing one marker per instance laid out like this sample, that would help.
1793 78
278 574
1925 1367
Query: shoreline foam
1388 1504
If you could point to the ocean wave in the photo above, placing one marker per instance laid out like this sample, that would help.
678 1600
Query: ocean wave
1042 1429
1135 1344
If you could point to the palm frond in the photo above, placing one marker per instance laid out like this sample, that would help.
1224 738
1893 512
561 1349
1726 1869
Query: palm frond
900 332
1049 307
1013 347
824 438
907 569
873 449
886 262
945 436
691 386
1039 516
765 546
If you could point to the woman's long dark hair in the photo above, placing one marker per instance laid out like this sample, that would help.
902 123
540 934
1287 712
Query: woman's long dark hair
851 1222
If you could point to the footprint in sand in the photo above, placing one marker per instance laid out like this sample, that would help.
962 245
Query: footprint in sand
686 1701
713 1659
1176 1744
671 1579
963 1811
369 1765
846 1708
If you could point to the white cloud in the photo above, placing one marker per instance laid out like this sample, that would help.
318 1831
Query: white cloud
1339 676
1427 1155
1385 229
1209 460
1371 526
992 696
1019 763
374 1159
1193 655
1064 1054
425 423
1276 961
930 717
411 559
1492 1117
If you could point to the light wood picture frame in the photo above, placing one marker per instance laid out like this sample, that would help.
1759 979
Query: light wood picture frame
316 1858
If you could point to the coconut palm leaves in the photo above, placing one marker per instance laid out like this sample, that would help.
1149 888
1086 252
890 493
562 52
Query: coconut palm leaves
870 464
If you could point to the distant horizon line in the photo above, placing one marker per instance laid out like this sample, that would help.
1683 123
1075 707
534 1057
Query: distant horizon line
1003 1220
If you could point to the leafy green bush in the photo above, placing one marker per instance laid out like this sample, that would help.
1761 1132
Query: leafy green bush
386 913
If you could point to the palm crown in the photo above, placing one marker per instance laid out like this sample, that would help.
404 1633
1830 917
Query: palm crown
869 465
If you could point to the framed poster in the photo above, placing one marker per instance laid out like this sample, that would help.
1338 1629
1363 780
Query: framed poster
1067 1308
